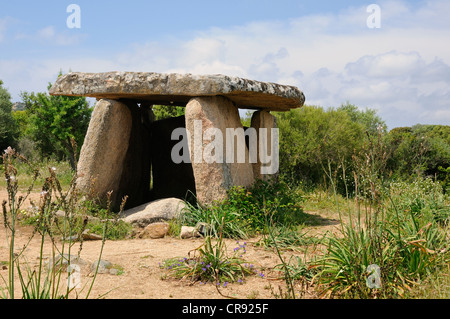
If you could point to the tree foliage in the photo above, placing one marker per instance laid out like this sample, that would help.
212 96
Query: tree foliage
315 142
422 150
166 111
54 121
8 129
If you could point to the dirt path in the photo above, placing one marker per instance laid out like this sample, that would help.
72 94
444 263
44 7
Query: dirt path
140 275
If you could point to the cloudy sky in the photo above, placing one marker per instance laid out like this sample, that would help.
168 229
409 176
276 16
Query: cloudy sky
335 51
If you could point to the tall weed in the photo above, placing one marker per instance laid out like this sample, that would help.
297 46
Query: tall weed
46 280
396 231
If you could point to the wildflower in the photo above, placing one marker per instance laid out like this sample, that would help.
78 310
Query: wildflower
8 150
240 281
204 269
225 284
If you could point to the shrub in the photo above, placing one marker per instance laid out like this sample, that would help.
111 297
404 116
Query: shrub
243 210
401 237
421 197
211 263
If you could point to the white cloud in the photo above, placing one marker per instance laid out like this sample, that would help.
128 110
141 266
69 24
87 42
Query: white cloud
4 24
402 69
387 65
64 38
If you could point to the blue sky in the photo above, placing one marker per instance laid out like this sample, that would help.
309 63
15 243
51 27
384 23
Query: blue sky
325 48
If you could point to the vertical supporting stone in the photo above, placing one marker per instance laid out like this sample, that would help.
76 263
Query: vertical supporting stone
263 119
207 121
104 149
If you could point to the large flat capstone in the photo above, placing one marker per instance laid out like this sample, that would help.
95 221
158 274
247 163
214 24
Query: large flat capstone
178 89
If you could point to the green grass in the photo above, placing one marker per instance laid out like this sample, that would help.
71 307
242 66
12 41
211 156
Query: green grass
436 286
211 263
401 235
289 238
242 214
25 174
42 282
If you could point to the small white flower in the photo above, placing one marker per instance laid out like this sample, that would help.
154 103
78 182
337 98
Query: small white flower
53 168
8 150
43 193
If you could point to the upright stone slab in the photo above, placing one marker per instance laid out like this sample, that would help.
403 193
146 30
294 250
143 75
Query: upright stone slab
264 120
214 175
104 149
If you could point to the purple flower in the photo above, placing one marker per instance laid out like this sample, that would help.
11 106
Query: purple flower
225 284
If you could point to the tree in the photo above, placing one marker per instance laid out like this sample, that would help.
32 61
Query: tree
55 120
311 138
165 111
368 118
8 129
419 150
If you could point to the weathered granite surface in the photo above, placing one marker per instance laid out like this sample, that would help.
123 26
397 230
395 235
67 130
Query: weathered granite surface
178 89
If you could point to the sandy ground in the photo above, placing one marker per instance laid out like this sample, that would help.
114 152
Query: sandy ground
140 275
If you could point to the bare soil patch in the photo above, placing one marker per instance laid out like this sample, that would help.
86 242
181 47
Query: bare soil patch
140 275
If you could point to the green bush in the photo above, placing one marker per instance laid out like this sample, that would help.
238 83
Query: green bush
211 263
420 150
422 197
402 237
311 137
243 212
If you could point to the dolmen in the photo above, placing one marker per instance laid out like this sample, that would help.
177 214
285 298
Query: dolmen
194 157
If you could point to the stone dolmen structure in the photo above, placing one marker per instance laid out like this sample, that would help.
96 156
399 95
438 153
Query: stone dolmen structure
126 151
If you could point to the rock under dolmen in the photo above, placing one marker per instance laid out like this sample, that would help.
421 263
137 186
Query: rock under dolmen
195 157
